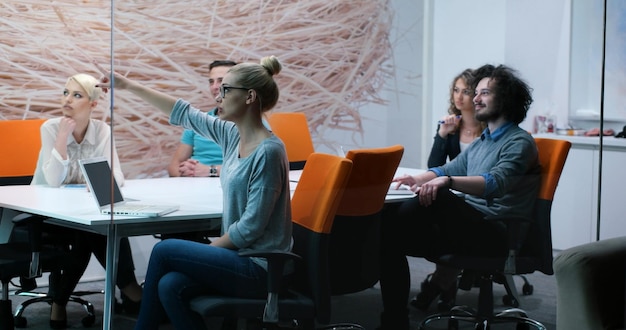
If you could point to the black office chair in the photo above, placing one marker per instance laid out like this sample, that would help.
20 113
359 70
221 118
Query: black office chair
530 250
26 259
22 137
308 298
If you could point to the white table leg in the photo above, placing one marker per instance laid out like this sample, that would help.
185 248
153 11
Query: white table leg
113 243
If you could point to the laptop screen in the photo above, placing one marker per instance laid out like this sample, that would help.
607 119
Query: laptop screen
98 176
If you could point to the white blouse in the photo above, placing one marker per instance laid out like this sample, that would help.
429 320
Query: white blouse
55 171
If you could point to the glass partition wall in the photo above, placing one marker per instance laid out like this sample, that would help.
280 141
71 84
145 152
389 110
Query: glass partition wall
597 91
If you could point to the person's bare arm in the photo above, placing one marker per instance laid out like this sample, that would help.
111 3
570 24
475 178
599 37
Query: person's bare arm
66 127
158 99
473 185
183 152
414 181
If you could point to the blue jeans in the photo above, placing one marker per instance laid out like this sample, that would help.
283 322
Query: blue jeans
180 270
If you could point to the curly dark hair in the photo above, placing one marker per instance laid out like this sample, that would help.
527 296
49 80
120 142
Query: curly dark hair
512 95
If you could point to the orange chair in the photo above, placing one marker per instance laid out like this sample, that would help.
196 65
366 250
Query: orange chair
19 150
313 208
530 250
293 129
355 241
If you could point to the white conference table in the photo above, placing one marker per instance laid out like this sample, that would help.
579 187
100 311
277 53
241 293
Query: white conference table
398 196
200 201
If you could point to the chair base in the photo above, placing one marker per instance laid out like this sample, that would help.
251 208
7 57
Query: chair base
6 315
258 324
466 314
21 322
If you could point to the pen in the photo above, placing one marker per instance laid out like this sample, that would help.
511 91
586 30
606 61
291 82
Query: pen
443 122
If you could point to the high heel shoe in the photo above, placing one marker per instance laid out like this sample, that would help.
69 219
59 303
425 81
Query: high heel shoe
430 291
447 298
129 306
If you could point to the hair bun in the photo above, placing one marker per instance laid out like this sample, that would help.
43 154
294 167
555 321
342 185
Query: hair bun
271 64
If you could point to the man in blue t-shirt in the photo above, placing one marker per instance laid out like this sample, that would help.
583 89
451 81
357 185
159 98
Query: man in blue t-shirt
197 155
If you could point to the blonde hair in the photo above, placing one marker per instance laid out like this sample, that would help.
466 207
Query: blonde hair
88 83
260 78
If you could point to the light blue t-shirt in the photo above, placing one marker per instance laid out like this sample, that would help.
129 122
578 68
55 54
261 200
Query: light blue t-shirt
204 150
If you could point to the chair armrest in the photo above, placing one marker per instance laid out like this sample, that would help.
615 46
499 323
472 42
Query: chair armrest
276 261
516 227
509 219
34 224
35 228
270 254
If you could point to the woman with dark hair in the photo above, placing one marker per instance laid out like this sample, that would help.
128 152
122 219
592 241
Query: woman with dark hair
459 128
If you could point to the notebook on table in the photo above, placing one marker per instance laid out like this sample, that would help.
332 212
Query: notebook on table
97 173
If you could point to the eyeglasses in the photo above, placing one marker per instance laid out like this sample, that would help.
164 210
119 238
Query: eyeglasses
225 89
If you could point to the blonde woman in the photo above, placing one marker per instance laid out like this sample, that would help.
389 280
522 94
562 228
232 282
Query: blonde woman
64 141
257 209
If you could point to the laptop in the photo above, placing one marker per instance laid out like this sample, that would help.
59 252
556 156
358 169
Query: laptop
97 173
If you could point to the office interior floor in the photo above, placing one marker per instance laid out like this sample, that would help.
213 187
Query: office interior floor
362 308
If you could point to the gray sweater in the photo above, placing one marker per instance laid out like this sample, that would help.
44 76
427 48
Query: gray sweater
257 200
509 161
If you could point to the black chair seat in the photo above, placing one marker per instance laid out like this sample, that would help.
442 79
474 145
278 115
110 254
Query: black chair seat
293 304
523 265
15 259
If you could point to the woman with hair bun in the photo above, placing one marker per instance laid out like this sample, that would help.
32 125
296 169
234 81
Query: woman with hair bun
257 209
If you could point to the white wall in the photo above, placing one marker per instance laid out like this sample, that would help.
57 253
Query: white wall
435 40
531 36
461 39
399 121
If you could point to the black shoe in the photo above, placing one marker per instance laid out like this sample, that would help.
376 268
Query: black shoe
27 284
127 306
427 295
447 298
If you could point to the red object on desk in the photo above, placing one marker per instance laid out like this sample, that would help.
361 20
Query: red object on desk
596 132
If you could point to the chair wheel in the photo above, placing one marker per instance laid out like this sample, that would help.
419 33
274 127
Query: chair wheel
88 320
453 324
20 322
527 289
510 301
